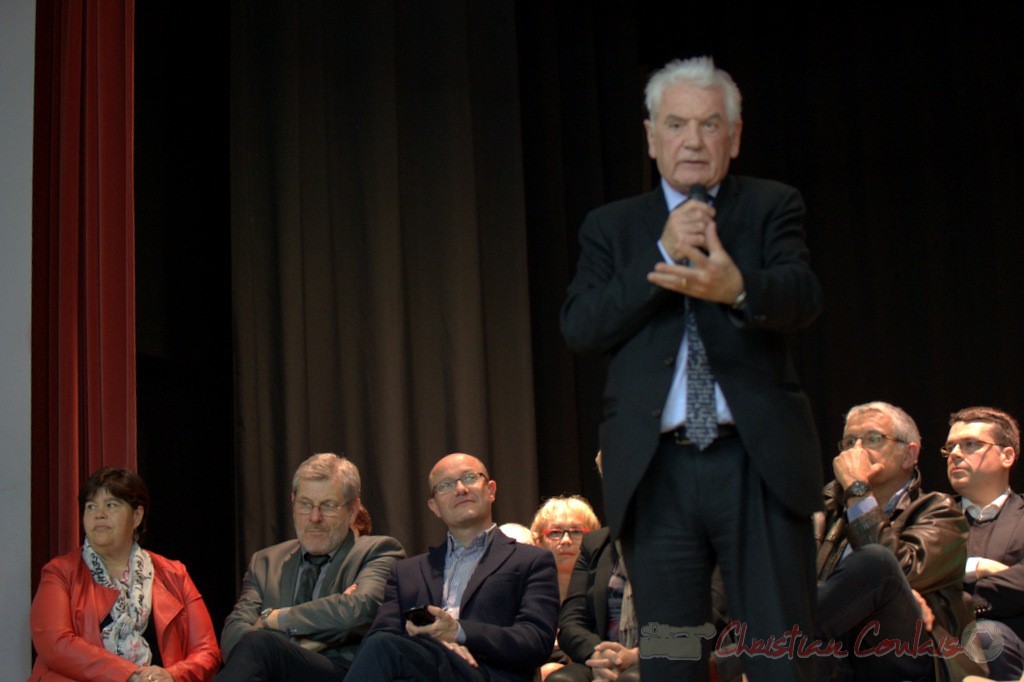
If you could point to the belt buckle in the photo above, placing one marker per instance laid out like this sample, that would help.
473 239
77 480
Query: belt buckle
679 436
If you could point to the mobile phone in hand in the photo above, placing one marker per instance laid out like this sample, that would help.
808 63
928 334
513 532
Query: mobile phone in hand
419 615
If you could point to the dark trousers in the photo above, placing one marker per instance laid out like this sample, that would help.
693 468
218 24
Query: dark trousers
384 656
578 672
267 656
694 510
865 604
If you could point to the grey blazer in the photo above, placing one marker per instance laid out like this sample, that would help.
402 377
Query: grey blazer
337 619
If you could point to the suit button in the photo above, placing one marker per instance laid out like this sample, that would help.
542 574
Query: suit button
669 361
656 413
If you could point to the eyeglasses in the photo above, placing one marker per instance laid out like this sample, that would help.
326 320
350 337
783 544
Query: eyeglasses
447 485
328 509
556 534
872 440
968 446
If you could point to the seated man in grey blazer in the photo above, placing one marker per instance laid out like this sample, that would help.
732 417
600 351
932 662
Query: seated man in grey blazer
306 603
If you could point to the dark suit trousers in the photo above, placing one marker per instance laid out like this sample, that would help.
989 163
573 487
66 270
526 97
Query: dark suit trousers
694 510
387 657
266 656
578 672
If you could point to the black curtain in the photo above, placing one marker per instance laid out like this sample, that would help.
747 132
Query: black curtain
379 255
407 180
183 292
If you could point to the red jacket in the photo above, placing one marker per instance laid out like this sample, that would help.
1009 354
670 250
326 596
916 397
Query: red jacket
69 606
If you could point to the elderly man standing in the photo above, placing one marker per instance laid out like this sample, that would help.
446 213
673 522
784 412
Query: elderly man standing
305 603
881 539
478 607
710 450
980 451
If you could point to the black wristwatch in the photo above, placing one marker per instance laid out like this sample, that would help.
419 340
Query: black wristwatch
856 489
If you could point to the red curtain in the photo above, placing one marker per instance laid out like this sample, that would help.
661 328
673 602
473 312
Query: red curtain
83 298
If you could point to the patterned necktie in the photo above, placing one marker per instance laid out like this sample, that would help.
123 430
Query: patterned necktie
308 580
701 415
701 412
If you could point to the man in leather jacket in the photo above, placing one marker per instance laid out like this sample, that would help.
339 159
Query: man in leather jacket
890 556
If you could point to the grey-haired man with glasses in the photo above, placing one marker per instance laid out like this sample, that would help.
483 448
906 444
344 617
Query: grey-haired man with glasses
305 603
980 451
480 606
890 555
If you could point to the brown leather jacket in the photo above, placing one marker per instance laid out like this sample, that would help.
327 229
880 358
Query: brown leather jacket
926 532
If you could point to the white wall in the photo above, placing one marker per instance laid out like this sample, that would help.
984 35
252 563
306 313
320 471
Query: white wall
17 45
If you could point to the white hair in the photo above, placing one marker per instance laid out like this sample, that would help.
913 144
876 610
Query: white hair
904 425
700 72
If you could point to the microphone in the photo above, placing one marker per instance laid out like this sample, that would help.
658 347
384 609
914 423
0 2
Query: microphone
698 192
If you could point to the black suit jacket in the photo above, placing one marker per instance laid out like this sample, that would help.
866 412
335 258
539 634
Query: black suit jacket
583 618
509 608
1001 596
611 308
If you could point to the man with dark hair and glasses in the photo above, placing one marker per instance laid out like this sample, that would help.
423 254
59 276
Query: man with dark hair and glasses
890 556
305 603
980 450
481 606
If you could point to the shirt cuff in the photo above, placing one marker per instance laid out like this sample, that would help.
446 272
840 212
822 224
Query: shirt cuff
664 254
282 619
971 569
861 508
460 635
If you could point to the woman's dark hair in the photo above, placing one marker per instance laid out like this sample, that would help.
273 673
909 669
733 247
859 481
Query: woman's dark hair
362 522
124 484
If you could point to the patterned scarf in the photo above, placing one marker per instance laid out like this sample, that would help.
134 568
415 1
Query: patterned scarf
129 616
628 630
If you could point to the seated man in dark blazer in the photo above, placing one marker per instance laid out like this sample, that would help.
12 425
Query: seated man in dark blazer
493 601
981 448
305 603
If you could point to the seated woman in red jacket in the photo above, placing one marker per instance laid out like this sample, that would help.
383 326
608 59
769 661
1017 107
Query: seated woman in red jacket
114 611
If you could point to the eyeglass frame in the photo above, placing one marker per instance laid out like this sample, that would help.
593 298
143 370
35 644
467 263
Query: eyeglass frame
330 513
448 485
843 448
575 534
947 452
